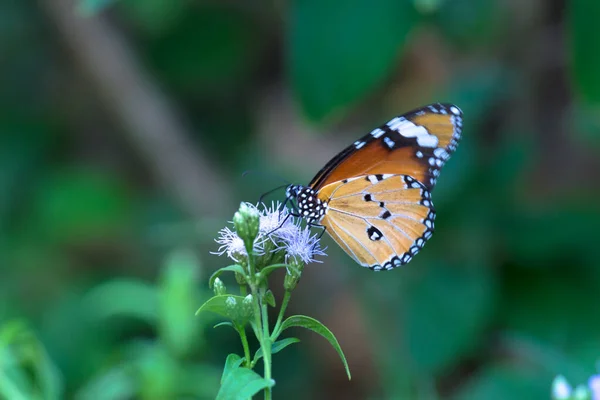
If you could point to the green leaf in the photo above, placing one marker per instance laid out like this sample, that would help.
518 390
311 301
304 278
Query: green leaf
241 384
276 347
233 268
310 323
342 50
228 306
269 298
91 7
585 48
224 323
265 272
232 362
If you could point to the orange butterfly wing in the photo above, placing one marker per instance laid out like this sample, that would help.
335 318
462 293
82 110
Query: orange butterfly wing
378 191
415 144
381 222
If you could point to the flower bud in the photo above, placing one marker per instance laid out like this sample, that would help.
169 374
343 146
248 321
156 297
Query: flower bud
246 221
247 304
294 272
231 304
219 287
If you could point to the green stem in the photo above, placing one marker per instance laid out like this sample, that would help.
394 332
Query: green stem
284 304
242 332
243 290
266 342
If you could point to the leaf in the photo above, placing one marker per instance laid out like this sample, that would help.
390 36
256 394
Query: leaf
265 272
269 298
232 362
225 323
276 347
585 48
241 384
233 268
310 323
339 51
228 306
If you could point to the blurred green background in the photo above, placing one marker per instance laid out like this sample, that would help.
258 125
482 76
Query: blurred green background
125 127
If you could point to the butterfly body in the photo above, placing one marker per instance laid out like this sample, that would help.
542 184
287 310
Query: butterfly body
374 197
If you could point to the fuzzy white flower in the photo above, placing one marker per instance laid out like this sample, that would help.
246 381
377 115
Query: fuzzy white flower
278 226
233 246
276 222
303 244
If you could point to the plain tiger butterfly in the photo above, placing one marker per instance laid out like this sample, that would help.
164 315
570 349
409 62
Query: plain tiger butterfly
374 198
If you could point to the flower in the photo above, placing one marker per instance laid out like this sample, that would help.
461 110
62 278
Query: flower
233 245
299 243
594 385
277 226
276 222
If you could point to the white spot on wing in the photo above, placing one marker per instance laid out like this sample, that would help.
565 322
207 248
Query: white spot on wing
376 133
389 142
427 141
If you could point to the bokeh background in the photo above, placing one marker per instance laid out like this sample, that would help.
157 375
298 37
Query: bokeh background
126 125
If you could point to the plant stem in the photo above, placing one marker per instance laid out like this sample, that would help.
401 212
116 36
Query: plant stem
260 310
284 304
242 332
266 343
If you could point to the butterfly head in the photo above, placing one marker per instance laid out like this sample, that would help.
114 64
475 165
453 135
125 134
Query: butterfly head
310 206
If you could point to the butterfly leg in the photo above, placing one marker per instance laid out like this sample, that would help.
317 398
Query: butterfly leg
319 226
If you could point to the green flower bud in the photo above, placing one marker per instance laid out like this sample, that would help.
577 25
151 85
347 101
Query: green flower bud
247 303
231 304
219 287
246 222
240 279
294 272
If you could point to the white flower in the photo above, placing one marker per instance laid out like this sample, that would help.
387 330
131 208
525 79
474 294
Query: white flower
300 243
276 222
233 245
278 226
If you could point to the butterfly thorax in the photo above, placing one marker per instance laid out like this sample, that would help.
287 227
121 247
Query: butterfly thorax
310 207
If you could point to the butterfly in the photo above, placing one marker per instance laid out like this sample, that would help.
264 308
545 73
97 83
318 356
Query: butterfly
374 197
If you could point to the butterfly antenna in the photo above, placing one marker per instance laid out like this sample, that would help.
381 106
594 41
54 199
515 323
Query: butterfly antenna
271 191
